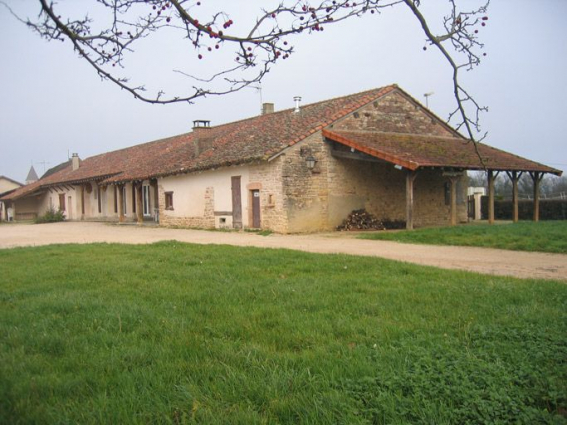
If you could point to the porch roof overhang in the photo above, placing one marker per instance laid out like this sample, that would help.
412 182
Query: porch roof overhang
414 151
40 186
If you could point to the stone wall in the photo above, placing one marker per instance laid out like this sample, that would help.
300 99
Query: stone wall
306 192
295 199
394 113
321 199
205 221
268 179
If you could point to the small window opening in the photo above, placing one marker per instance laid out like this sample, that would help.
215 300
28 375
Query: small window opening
169 200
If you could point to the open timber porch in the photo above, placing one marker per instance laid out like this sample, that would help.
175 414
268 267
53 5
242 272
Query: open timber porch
451 156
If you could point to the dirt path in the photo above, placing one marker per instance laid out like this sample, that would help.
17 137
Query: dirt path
481 260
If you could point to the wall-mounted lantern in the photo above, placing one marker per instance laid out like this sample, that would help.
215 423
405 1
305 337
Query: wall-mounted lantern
310 161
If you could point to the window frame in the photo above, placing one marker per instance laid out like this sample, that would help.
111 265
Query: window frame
169 201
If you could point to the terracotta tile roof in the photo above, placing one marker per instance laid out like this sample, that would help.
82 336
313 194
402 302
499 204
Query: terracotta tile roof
413 151
249 140
258 139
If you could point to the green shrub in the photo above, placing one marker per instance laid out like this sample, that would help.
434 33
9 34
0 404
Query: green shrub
51 216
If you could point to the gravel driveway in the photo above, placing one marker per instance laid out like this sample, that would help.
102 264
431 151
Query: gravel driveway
480 260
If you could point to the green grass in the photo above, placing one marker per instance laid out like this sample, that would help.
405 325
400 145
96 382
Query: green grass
178 333
548 236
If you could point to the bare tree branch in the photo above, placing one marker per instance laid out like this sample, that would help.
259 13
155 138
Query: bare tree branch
461 28
106 44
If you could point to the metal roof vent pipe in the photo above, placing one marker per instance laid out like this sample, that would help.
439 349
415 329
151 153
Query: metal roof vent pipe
75 162
297 100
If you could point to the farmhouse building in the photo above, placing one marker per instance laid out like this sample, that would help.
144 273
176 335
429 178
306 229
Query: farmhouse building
297 170
7 186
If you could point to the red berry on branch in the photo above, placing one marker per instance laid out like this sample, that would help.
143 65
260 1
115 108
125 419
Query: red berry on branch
200 56
483 24
485 18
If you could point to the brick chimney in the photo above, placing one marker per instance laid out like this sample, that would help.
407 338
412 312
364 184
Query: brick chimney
267 108
202 139
75 161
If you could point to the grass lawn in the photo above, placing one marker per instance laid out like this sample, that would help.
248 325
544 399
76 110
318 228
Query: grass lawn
544 236
178 333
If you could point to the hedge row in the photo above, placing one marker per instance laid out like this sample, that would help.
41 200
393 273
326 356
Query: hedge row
549 209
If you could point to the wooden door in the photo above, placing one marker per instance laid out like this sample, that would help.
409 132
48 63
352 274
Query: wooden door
256 209
62 202
236 202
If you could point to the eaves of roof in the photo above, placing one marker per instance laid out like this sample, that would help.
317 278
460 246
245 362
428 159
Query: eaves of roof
413 151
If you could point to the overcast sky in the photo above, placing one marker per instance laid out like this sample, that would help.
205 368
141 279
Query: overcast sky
53 104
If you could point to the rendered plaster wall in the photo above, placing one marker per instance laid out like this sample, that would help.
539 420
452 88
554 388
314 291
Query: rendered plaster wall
72 202
200 199
6 185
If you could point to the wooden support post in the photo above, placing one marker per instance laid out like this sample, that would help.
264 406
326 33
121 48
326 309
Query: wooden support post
515 177
139 206
454 181
120 203
410 177
536 177
82 202
491 178
490 197
154 185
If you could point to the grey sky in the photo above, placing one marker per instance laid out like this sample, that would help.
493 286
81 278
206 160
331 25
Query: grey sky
52 103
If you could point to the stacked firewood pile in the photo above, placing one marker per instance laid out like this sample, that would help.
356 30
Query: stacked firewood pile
361 220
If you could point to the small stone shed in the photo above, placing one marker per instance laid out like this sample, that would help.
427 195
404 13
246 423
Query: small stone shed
297 170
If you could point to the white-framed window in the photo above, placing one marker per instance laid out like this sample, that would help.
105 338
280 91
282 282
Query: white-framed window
146 200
